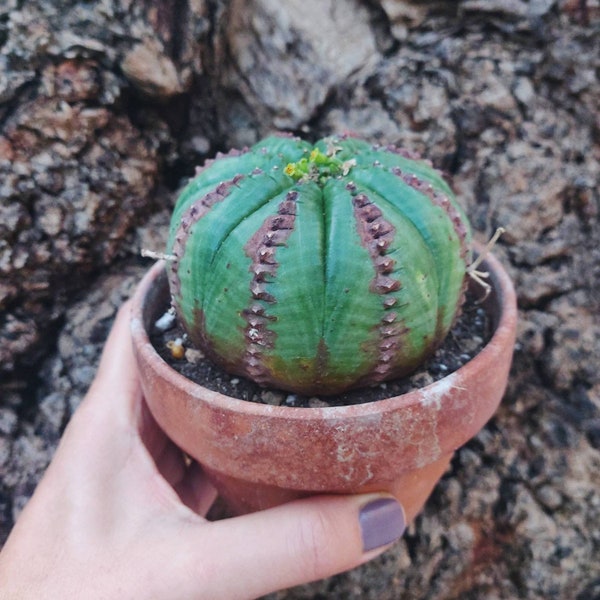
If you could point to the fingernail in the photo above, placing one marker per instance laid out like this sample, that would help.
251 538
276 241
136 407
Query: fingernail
382 522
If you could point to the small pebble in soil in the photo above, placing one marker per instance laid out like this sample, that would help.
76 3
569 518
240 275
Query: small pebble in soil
176 348
166 322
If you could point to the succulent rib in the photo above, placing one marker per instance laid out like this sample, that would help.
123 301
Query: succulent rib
351 310
208 232
404 281
439 224
377 236
192 214
262 251
443 201
374 229
458 223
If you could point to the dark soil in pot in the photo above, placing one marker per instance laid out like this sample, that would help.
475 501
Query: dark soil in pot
468 336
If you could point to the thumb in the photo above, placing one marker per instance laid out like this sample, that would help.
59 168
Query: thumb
302 541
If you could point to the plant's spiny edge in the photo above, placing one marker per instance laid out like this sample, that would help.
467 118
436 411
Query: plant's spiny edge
404 153
198 209
377 235
233 153
261 249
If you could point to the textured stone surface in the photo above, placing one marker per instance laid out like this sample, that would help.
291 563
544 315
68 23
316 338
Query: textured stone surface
280 62
80 153
501 95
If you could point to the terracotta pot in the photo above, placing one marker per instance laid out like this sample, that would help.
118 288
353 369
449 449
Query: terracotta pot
260 456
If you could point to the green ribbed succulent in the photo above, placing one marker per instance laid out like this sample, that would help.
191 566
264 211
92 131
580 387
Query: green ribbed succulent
318 268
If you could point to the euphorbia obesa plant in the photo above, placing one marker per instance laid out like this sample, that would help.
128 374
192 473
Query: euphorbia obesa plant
318 268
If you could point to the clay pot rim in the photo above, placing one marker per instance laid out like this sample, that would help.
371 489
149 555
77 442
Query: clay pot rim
502 287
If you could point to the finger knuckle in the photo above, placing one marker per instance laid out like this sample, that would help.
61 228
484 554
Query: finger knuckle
316 537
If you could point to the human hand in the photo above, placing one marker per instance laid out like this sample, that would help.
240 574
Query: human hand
120 514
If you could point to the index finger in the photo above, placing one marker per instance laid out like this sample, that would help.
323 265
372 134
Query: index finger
117 384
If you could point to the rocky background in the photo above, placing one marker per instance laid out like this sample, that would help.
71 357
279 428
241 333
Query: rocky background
106 107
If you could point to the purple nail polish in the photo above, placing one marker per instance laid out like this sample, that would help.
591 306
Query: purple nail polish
381 521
